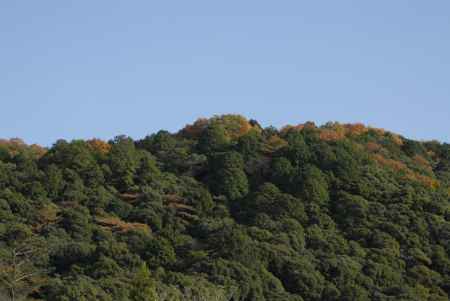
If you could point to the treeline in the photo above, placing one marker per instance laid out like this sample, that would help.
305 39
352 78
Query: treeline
227 210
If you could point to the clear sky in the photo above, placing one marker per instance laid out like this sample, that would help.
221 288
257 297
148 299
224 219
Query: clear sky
82 69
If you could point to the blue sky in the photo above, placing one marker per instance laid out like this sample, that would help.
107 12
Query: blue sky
81 69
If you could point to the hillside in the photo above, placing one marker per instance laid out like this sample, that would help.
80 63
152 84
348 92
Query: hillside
227 210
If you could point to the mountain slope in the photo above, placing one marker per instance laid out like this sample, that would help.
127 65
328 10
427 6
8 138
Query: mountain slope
227 210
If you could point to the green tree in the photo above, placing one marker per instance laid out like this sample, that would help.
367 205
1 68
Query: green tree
213 139
123 161
229 178
23 256
143 286
297 150
314 186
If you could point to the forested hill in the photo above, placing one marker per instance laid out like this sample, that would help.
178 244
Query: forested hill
227 210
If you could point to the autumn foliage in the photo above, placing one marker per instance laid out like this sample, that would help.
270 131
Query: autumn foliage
235 126
409 174
275 143
335 131
99 146
15 146
115 224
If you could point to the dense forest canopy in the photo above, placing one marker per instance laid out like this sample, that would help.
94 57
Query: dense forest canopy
227 210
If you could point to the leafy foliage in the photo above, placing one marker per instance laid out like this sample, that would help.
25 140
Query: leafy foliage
227 210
